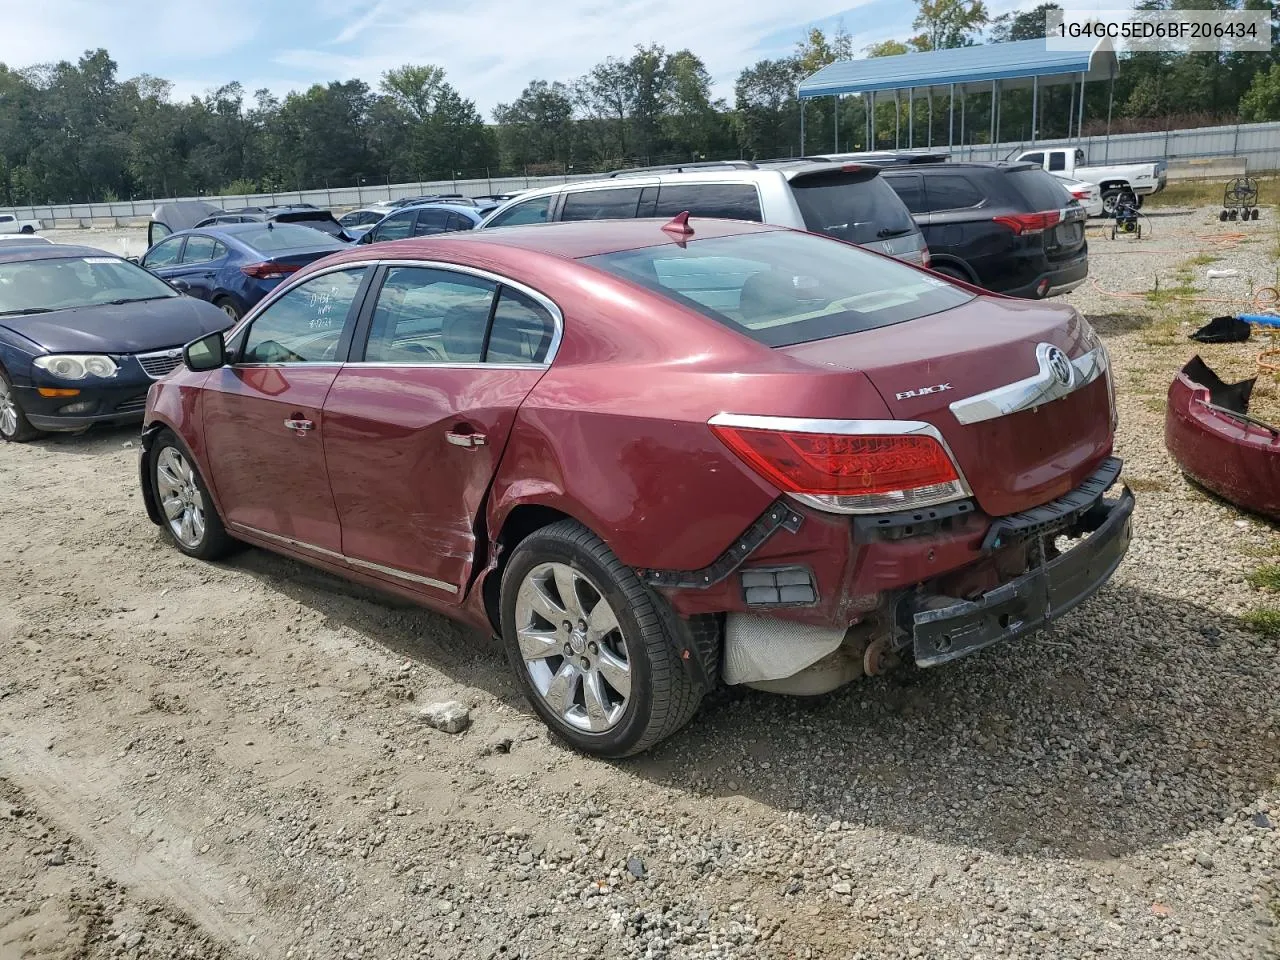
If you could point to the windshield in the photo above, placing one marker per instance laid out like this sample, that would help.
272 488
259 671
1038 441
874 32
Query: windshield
286 238
783 288
856 208
39 286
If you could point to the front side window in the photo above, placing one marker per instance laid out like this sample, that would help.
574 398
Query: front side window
164 254
536 210
202 249
305 325
616 204
726 201
782 288
426 315
395 227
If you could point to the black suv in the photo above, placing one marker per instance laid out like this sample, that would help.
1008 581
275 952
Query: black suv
1008 227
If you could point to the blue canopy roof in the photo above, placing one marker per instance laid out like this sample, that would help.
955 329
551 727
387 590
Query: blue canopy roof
971 68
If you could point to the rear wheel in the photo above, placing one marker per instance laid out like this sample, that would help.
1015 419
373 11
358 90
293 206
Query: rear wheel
14 425
189 515
589 644
28 229
1112 198
955 273
228 306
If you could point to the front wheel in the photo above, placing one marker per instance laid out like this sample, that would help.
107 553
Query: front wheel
14 425
590 646
189 515
228 307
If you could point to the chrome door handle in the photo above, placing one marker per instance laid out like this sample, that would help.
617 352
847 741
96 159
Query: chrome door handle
302 426
465 439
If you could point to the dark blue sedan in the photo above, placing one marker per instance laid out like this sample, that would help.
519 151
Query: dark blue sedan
83 334
234 265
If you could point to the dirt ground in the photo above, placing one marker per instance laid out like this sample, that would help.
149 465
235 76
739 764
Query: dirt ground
227 761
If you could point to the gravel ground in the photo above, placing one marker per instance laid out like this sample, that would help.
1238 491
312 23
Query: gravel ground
230 761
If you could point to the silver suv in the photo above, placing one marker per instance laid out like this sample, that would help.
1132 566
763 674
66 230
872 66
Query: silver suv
848 201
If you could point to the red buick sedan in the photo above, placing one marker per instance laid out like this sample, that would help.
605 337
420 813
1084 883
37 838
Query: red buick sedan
657 457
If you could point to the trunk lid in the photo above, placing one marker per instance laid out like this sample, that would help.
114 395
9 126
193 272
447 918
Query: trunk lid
1012 462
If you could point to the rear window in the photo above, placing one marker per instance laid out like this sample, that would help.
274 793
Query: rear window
782 288
1042 191
323 222
855 208
282 237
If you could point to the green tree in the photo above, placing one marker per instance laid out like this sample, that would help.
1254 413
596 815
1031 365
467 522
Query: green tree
948 23
1261 101
536 127
1021 24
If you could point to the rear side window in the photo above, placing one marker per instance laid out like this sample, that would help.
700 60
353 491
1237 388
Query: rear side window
458 222
856 208
781 288
726 201
202 249
617 204
522 330
1041 191
910 187
1058 160
431 221
952 192
1034 158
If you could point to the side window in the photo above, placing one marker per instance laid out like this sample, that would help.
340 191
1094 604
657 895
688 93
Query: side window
458 222
522 330
429 316
531 211
910 187
7 218
1034 158
1058 160
728 201
431 220
617 204
951 192
395 227
164 254
305 325
201 249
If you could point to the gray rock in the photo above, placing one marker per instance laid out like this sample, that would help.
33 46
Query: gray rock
635 867
449 716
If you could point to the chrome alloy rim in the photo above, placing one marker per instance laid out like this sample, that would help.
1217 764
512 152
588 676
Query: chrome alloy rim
573 647
8 411
229 310
180 497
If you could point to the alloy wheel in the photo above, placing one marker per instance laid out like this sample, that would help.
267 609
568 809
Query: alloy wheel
180 497
8 411
230 310
573 647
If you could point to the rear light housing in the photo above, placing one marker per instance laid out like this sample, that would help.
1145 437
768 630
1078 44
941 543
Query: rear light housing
1081 194
269 271
1024 224
847 466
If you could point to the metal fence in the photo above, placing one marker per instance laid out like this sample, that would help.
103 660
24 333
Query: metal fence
1205 151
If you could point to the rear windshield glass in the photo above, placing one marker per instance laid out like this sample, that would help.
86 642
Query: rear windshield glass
279 237
782 288
316 221
856 208
1043 191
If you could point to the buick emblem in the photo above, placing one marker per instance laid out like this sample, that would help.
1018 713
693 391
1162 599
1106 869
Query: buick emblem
1062 369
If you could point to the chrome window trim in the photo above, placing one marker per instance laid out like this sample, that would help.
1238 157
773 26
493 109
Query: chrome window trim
354 561
1034 391
848 428
557 317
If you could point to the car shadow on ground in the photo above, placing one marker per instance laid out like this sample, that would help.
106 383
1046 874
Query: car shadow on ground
95 441
1131 723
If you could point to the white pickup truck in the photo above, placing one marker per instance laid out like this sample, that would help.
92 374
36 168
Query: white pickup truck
1140 179
11 224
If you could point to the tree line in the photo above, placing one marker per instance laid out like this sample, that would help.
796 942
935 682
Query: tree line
78 132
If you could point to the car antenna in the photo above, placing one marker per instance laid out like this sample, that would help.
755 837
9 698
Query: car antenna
679 225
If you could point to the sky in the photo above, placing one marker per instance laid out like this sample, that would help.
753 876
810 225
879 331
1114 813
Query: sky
490 49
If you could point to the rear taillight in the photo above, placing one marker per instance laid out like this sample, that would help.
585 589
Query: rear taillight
268 271
846 466
1025 223
1080 194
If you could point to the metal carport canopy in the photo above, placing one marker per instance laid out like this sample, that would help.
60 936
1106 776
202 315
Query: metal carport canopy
971 69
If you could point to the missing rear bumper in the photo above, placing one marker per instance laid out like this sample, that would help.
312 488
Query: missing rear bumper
1033 599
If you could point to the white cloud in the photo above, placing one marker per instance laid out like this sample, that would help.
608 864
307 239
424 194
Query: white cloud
492 48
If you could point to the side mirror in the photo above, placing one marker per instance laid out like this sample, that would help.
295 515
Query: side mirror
207 353
180 285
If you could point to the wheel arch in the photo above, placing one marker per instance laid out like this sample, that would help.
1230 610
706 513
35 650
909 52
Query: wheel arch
955 263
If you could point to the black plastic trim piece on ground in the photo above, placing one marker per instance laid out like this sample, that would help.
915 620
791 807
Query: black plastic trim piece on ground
1055 513
779 516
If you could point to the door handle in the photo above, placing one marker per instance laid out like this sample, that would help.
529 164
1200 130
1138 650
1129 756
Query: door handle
301 426
465 439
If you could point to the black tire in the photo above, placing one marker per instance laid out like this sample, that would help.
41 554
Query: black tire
1137 200
1110 198
663 695
28 229
955 273
214 542
1222 216
1255 213
21 429
228 306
